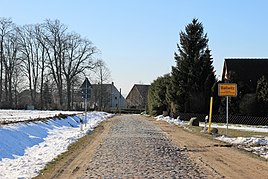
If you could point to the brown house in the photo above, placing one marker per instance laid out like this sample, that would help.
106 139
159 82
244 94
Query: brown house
138 97
246 70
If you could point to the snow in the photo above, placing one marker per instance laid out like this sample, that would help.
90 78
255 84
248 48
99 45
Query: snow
170 120
256 145
241 127
24 115
25 148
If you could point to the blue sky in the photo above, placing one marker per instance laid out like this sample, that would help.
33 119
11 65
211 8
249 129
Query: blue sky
137 38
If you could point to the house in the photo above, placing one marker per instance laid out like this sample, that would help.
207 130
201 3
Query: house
246 70
104 97
107 97
138 97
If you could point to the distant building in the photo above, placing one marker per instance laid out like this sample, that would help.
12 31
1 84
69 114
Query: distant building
104 97
138 97
107 97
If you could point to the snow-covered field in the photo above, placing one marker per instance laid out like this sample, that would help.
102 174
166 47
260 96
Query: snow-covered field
25 148
24 115
257 145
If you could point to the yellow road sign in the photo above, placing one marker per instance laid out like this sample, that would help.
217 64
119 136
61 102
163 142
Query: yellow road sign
227 89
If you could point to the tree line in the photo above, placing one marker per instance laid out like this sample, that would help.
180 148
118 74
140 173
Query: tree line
47 59
192 81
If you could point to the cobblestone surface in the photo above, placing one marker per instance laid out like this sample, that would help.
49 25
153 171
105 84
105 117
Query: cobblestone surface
135 148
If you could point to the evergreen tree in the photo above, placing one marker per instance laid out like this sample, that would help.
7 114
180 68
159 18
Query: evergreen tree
209 78
193 76
157 95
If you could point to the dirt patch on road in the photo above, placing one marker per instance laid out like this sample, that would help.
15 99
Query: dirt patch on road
217 159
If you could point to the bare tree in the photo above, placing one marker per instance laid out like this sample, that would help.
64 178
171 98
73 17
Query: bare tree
11 62
31 58
102 72
42 63
18 84
44 52
78 58
53 40
102 75
6 27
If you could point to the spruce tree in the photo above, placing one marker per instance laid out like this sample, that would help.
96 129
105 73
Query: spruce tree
157 95
193 74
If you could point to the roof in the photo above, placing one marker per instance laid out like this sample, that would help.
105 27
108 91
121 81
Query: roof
249 70
142 89
108 88
103 85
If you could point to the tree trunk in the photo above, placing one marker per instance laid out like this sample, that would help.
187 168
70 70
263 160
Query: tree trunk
6 88
1 70
68 81
60 95
10 90
41 88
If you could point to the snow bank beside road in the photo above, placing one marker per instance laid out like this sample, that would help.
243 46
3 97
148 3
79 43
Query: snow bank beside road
25 148
170 120
256 145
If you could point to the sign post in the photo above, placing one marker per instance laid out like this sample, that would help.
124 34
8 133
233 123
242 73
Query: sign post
86 94
210 114
227 90
227 116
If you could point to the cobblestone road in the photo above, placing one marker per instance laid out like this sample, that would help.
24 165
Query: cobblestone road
135 148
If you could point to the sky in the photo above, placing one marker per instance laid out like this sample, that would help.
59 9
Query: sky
137 38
